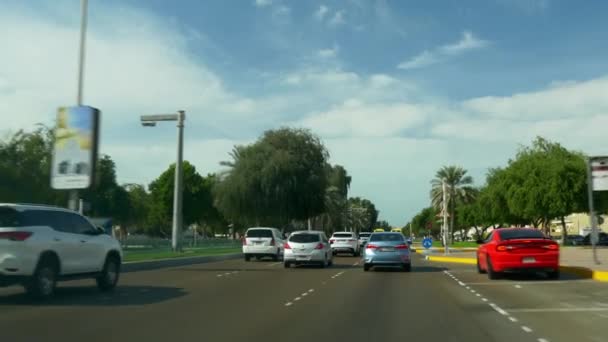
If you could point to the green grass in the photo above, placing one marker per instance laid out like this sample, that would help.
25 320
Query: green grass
164 254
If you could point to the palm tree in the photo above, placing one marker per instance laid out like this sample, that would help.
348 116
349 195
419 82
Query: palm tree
459 190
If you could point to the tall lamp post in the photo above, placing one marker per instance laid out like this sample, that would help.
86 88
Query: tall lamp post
180 117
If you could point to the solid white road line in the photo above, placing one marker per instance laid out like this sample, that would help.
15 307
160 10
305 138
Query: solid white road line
288 304
297 298
513 319
518 286
542 340
311 290
526 329
484 299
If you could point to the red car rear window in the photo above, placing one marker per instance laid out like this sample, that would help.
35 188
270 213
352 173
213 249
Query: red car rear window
511 234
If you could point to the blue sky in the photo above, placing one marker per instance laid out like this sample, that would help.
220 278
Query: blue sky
396 89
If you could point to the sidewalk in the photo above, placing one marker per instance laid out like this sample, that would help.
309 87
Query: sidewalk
577 260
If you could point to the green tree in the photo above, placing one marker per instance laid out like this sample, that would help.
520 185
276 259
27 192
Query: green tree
105 196
140 203
161 193
25 163
280 178
360 214
459 189
546 181
425 222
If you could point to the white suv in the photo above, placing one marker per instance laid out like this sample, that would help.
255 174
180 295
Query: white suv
40 245
342 242
262 242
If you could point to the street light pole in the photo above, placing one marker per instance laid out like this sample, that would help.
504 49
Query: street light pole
445 220
178 188
84 4
180 117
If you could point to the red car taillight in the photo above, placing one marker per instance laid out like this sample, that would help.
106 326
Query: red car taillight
286 246
504 248
370 246
319 246
15 236
244 241
401 246
552 246
331 241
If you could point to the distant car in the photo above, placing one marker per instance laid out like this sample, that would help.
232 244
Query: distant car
345 242
515 250
387 249
575 240
307 247
41 245
363 238
262 242
602 239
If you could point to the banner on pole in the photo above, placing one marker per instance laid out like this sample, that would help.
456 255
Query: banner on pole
599 173
75 148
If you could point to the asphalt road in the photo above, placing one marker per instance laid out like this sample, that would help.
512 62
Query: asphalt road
261 301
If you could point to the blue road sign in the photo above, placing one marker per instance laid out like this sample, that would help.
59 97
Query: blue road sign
427 243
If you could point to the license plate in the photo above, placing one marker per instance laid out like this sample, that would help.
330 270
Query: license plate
528 260
303 258
258 242
387 249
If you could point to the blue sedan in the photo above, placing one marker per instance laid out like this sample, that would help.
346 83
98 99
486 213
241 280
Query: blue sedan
387 250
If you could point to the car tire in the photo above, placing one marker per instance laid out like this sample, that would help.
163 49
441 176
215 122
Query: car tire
287 264
110 274
277 256
479 269
553 275
493 275
331 262
366 267
356 254
44 281
406 267
247 257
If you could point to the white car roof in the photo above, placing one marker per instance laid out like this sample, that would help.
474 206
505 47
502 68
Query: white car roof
29 206
343 233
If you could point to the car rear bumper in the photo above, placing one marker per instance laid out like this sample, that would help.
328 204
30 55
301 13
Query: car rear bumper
542 262
393 258
314 257
10 265
344 248
260 250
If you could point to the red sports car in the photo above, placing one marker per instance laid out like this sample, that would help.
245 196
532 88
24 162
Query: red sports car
517 249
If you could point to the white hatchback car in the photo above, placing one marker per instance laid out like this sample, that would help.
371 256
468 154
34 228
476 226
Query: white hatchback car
40 245
260 242
345 242
307 247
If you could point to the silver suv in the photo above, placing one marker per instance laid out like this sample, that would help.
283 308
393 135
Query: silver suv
40 245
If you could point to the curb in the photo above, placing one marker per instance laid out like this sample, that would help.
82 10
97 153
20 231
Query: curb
136 266
582 272
468 261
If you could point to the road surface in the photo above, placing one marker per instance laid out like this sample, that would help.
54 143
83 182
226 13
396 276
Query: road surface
261 301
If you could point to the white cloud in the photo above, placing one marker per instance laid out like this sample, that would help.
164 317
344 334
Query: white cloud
337 19
559 100
467 42
281 11
426 58
321 12
263 3
354 118
323 53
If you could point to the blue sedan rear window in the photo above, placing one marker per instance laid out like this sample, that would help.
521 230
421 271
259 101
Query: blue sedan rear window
386 237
